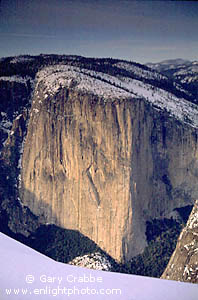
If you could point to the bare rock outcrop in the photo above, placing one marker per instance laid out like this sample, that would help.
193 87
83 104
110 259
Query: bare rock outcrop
95 261
183 265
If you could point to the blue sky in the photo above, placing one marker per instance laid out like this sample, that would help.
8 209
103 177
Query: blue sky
142 31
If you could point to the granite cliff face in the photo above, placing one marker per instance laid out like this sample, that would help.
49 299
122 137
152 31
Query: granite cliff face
106 146
102 158
183 265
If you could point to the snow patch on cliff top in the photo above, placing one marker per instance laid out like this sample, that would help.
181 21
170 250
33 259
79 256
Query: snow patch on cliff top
56 77
16 78
110 87
179 108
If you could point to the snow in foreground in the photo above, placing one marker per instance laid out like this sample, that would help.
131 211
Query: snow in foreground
27 274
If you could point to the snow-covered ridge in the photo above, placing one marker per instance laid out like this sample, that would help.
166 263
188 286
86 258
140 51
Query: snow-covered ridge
111 87
140 71
183 70
16 78
190 79
188 71
55 77
179 108
21 59
188 74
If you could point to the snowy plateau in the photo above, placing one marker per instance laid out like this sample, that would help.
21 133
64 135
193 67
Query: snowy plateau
27 274
120 87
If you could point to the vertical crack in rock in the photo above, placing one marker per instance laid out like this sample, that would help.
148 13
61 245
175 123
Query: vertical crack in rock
97 197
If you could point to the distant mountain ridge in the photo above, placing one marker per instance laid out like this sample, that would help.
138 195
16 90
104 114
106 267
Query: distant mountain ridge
182 71
169 63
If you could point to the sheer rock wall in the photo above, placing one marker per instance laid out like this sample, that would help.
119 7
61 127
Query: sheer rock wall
183 265
105 167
